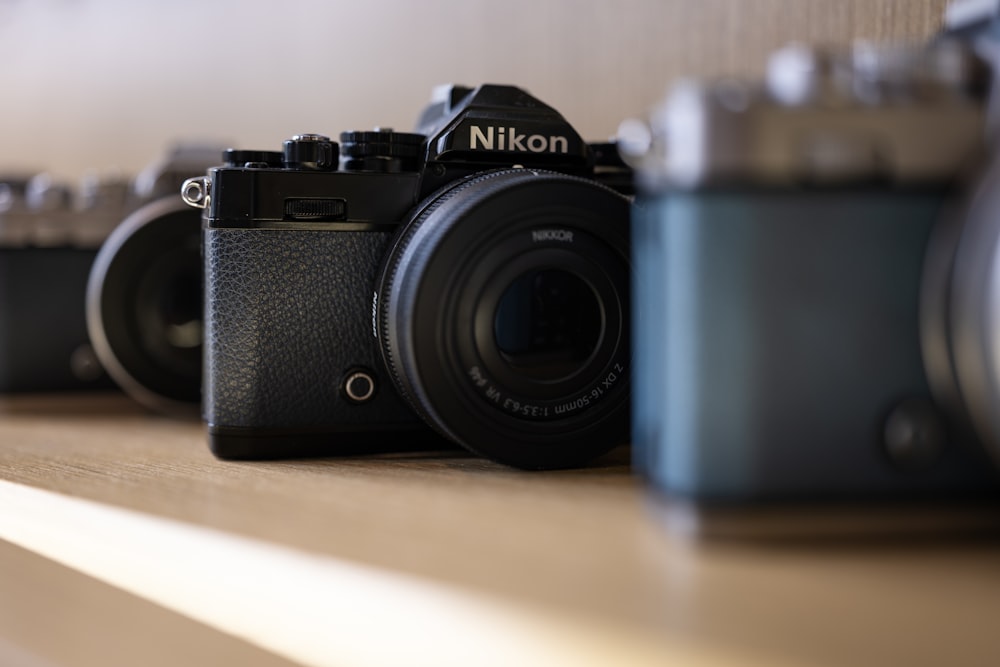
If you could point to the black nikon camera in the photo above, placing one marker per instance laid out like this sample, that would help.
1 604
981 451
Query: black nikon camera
473 274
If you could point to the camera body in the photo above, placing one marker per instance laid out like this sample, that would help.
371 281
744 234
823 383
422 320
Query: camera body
348 296
791 278
49 236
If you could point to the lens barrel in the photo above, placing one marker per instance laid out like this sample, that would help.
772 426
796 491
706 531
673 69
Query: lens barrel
502 314
960 309
144 306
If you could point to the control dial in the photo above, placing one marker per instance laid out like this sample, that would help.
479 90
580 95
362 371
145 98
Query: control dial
313 152
381 150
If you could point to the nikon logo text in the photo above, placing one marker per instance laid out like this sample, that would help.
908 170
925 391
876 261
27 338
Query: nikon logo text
508 139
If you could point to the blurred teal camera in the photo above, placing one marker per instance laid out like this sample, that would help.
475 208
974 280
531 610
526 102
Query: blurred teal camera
815 313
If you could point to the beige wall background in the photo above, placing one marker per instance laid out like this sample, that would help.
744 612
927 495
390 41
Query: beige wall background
99 84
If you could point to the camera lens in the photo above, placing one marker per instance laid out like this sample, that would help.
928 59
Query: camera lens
960 311
502 312
168 312
144 311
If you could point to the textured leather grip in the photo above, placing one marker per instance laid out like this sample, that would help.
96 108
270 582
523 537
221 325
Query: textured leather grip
287 315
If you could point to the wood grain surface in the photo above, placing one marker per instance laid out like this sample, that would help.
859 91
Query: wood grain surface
65 618
582 545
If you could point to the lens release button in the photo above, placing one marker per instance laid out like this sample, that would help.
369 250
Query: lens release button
359 386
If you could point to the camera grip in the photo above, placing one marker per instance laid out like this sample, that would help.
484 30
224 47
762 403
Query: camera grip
287 313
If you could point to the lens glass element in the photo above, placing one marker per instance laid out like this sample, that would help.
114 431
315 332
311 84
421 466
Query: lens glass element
548 324
167 307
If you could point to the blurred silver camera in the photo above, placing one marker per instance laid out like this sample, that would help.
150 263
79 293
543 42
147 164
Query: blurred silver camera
49 236
96 280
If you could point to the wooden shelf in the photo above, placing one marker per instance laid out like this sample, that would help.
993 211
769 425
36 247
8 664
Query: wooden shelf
120 524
